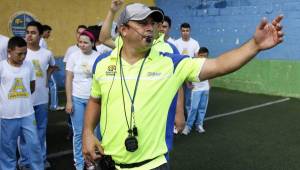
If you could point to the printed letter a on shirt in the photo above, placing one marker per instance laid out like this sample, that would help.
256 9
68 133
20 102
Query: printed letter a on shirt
18 90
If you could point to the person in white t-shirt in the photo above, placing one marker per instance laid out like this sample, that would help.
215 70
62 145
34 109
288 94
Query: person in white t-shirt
74 47
78 86
70 50
199 101
165 28
186 45
17 82
46 34
44 64
3 47
53 105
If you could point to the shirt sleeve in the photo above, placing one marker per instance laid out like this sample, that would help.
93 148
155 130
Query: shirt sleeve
70 64
67 55
189 69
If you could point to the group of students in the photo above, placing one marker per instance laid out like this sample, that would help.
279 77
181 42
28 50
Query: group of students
143 63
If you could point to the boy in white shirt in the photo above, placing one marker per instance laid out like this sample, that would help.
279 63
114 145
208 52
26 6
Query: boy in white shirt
44 64
199 101
17 82
186 45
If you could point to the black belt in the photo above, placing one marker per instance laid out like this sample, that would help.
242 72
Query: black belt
134 165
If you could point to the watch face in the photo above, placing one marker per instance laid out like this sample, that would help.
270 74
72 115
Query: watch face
131 143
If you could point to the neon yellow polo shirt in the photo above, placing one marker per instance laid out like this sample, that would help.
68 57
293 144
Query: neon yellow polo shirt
162 75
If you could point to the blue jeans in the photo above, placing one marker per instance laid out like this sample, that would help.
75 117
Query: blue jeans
199 101
77 118
53 93
25 129
41 116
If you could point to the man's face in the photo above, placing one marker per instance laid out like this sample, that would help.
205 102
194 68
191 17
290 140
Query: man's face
17 55
78 32
185 33
139 33
32 35
202 55
165 28
156 29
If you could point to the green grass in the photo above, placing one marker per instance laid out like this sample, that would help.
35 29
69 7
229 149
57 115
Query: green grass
263 139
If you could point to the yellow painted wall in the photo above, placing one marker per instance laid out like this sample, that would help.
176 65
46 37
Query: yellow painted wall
62 15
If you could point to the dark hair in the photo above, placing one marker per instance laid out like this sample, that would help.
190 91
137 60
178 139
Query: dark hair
168 20
185 25
46 28
16 41
36 24
203 50
95 29
81 26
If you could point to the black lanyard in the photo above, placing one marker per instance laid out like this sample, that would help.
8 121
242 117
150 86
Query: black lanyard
131 129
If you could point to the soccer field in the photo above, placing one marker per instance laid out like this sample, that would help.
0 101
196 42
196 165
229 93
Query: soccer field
243 131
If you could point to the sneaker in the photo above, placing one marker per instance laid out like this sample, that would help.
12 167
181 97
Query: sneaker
60 108
175 131
200 129
186 130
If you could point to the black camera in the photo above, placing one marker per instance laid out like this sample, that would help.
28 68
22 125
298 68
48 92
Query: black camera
105 163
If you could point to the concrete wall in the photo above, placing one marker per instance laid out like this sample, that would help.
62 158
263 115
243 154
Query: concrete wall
62 15
221 25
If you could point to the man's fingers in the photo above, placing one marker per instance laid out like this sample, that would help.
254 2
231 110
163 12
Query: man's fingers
278 18
263 23
98 146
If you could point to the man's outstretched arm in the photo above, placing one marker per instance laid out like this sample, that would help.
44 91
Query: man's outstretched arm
267 35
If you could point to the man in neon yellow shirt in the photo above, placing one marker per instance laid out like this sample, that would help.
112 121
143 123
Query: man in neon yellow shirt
176 111
136 85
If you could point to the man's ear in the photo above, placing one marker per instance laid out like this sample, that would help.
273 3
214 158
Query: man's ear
123 31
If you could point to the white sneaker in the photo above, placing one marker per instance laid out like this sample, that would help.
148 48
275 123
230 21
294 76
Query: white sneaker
60 108
200 129
175 131
186 130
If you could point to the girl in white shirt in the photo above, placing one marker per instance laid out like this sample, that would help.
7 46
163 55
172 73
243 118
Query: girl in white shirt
78 85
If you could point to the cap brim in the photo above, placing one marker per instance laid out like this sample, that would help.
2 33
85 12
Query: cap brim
157 15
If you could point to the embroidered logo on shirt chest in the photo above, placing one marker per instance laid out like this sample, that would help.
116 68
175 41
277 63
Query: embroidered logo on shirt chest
111 70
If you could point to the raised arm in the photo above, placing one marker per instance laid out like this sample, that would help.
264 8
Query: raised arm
267 35
105 34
